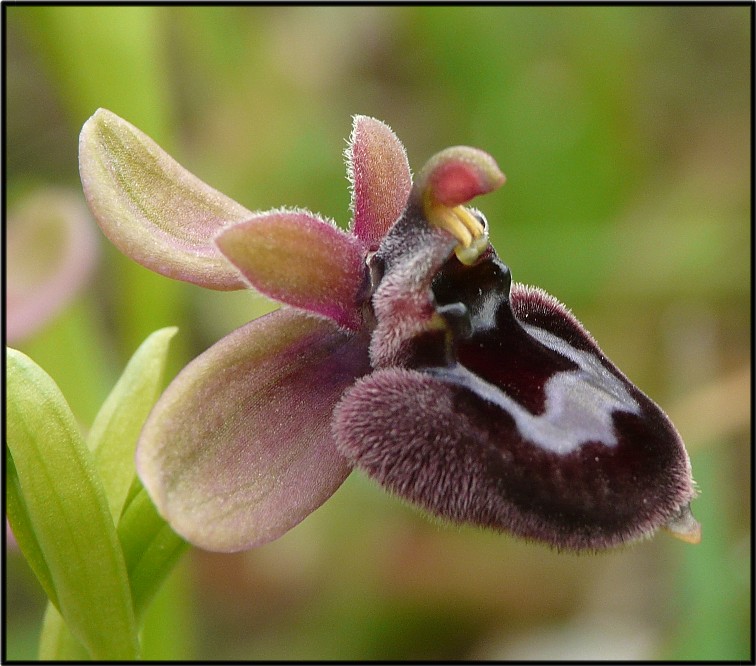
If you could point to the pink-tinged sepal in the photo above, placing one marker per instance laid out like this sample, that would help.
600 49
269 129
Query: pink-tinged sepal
238 449
380 176
296 257
153 209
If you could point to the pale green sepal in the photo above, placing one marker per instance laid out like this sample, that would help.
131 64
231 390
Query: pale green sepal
69 513
116 428
238 448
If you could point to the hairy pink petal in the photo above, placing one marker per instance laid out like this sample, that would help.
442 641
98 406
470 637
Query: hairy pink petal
299 259
151 208
238 449
52 249
380 176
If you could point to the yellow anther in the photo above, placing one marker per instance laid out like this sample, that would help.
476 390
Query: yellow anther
447 219
469 255
470 221
464 226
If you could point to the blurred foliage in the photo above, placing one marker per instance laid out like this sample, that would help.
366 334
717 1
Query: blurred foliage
624 132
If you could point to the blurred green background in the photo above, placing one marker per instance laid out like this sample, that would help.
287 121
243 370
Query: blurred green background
624 133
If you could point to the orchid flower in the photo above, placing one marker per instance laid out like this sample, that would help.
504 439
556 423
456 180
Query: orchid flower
52 252
402 348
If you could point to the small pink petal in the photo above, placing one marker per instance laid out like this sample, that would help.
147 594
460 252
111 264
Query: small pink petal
380 176
52 250
458 174
300 259
151 208
238 449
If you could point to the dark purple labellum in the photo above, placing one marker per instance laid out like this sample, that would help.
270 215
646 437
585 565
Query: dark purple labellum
491 404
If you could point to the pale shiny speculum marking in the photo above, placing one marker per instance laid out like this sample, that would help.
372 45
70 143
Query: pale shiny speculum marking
579 403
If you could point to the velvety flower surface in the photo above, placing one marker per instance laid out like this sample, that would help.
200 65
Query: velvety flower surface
403 348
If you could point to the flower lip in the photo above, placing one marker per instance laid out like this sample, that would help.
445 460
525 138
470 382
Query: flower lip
522 363
535 431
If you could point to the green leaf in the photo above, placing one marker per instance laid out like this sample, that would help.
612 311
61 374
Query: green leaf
150 547
115 431
169 627
56 642
68 513
18 517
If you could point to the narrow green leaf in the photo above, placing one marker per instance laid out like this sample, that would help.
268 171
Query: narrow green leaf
90 51
18 517
57 643
115 431
150 547
169 627
68 512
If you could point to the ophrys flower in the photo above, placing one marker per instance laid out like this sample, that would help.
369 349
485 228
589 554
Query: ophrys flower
403 349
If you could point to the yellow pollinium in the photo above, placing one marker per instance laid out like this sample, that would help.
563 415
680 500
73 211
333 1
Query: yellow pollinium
464 226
